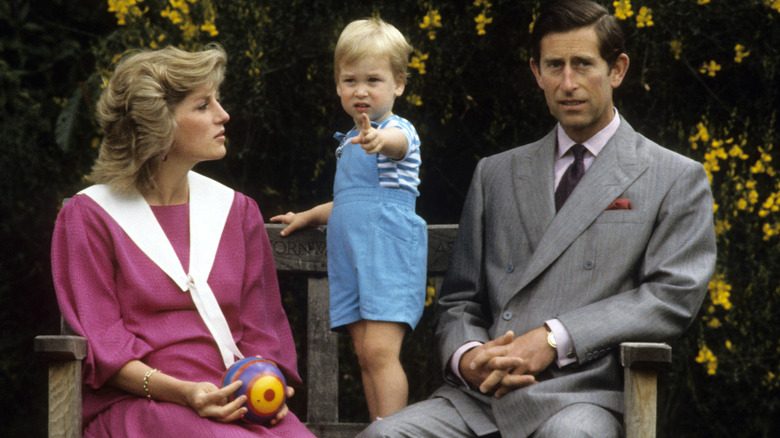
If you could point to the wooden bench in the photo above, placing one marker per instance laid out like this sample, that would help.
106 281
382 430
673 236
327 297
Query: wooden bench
304 253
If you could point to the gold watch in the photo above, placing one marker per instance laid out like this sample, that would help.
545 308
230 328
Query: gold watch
551 339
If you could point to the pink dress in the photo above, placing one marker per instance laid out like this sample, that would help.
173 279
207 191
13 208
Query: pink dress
110 292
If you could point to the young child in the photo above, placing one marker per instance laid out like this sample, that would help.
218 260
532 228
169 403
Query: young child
377 245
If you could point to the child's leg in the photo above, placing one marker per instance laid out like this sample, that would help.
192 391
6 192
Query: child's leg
378 346
357 330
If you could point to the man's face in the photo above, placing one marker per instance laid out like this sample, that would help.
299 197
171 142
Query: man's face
577 81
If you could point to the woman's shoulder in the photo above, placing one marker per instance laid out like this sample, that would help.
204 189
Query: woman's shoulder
80 205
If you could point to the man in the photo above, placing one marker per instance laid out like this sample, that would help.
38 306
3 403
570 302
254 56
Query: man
537 298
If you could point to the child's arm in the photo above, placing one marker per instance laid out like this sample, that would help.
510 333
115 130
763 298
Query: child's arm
390 141
310 218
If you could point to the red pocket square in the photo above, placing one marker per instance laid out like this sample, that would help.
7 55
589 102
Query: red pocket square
620 204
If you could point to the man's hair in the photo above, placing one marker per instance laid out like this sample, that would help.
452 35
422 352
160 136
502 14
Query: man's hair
567 15
372 37
136 111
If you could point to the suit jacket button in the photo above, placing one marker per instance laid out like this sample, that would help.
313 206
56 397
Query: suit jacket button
509 269
588 265
507 315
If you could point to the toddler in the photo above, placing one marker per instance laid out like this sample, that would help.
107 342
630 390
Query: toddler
377 245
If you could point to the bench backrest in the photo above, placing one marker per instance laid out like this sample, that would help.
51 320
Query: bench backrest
304 252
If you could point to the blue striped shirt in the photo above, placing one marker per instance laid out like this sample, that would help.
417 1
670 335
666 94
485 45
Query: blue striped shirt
404 173
396 174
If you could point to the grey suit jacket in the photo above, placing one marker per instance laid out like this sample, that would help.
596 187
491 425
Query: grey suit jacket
608 275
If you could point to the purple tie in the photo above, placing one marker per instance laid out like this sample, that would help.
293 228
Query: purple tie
571 177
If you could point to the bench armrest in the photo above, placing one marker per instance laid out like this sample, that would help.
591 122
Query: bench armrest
641 362
64 353
60 347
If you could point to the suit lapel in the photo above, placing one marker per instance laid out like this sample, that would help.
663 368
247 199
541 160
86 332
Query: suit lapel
532 177
612 172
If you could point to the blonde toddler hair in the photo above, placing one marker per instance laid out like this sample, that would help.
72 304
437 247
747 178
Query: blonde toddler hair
372 37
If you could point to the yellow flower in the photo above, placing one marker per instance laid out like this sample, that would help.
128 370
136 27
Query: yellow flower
774 4
534 16
737 152
124 8
702 134
622 9
740 53
210 28
431 20
770 231
721 226
173 15
418 62
720 291
676 47
430 293
702 2
758 167
706 356
414 99
645 17
711 69
482 21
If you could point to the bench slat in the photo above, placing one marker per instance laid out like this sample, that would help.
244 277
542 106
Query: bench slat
305 251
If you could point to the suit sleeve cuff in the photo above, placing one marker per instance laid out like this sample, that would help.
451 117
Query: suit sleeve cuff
566 354
455 360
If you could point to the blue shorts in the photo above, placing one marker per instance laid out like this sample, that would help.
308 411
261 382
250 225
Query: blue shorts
377 258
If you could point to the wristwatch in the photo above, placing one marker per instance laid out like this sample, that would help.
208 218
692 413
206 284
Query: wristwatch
551 339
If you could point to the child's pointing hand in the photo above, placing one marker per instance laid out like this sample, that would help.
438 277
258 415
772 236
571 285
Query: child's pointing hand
390 141
368 137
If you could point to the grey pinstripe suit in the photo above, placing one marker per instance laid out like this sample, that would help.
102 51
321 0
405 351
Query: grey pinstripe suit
608 276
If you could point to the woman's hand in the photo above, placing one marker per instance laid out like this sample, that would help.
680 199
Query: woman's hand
285 410
210 401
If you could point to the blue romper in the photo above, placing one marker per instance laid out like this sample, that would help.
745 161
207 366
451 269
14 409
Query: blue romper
377 244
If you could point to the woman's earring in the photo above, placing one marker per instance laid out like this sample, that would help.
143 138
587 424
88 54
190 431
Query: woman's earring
164 157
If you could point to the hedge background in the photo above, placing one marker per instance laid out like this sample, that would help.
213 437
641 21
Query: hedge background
703 81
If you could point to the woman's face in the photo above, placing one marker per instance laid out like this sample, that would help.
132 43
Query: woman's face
200 132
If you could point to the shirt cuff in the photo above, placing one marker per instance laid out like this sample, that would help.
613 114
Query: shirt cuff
455 360
565 344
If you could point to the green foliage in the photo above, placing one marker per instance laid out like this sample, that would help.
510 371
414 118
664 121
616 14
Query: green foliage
702 81
45 48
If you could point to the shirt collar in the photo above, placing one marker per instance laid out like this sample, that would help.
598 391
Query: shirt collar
595 144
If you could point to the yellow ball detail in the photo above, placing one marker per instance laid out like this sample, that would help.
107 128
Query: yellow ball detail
266 394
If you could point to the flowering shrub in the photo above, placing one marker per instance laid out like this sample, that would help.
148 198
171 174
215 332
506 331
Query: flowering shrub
702 81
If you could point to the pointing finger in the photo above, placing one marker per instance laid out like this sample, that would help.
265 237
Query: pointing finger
366 122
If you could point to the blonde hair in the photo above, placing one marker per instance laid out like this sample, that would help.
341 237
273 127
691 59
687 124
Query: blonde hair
372 37
136 111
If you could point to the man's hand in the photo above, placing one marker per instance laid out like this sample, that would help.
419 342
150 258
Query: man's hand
485 366
507 363
537 355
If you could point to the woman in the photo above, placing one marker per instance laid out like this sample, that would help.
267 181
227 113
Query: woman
168 274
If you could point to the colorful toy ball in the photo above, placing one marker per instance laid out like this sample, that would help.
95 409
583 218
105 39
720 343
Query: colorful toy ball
263 385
